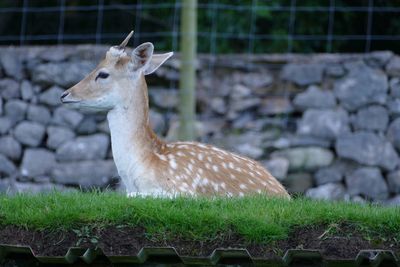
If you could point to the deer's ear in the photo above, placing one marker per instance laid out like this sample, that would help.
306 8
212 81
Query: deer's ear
142 55
156 61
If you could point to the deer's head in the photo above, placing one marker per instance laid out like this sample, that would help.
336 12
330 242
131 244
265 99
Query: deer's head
106 86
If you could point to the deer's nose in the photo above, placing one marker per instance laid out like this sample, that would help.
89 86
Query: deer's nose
65 94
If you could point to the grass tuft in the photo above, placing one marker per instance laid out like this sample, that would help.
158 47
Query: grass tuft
256 218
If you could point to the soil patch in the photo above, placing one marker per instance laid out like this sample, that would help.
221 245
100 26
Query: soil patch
334 241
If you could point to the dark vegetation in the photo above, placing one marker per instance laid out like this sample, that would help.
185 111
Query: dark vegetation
224 26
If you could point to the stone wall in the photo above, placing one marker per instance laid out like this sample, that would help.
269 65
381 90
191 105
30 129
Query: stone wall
326 125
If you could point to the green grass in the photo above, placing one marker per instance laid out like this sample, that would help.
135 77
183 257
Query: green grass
257 218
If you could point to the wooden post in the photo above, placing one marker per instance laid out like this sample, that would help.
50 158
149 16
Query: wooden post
187 81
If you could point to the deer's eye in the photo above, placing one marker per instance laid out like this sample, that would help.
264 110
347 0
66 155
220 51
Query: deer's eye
102 75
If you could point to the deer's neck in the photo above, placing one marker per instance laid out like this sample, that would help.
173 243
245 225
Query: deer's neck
132 139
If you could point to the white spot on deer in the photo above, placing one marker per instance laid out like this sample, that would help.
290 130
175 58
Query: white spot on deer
201 171
209 159
251 181
204 181
188 171
241 194
215 168
224 165
223 185
192 153
208 166
263 183
239 169
200 156
215 186
192 161
242 186
183 189
171 156
162 157
259 191
173 164
190 166
202 146
180 154
171 171
231 165
232 176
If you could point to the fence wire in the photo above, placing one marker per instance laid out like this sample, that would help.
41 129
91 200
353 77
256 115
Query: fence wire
263 25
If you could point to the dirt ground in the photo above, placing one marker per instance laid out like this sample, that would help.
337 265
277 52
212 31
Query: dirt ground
334 242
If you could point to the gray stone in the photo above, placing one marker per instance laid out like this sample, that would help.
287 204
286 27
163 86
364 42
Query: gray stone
305 158
328 124
378 58
393 133
5 124
103 127
275 105
87 126
51 96
249 150
253 79
9 89
394 106
331 191
10 147
66 117
394 84
63 74
306 140
303 74
27 92
331 174
29 133
164 98
393 180
7 167
298 182
334 70
57 136
84 148
367 181
243 104
240 91
371 118
367 148
394 201
361 86
55 54
278 167
12 65
218 105
37 162
15 110
38 114
157 122
314 97
5 186
86 174
37 188
393 67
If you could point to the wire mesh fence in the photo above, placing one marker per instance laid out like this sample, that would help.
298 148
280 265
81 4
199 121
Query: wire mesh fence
246 26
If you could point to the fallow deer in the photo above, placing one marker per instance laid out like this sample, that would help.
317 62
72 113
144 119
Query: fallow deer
146 164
